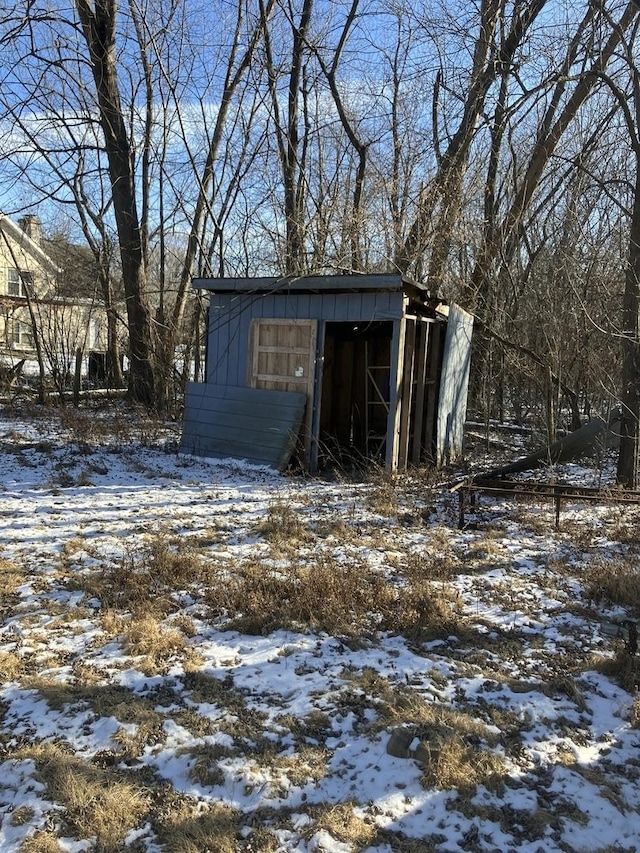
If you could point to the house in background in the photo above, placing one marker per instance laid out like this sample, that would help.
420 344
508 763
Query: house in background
356 366
31 311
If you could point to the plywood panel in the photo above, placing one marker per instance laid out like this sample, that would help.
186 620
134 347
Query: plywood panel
454 382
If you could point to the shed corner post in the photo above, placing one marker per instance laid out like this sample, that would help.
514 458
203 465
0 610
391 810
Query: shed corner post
395 394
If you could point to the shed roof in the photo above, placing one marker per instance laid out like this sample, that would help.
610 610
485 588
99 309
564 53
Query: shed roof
313 284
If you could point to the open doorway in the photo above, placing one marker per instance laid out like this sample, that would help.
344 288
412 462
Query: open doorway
356 421
355 392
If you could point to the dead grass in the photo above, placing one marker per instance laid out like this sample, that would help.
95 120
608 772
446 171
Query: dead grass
316 724
204 688
245 725
186 828
12 667
204 769
623 667
74 551
325 594
86 674
567 686
435 564
107 701
461 766
97 803
283 527
145 581
625 528
112 623
40 842
158 645
382 498
456 746
616 581
342 824
21 815
335 528
634 715
11 577
308 764
198 725
117 426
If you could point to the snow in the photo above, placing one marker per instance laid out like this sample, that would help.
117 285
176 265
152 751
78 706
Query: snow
290 725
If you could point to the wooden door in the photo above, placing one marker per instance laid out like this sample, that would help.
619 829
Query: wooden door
283 358
283 355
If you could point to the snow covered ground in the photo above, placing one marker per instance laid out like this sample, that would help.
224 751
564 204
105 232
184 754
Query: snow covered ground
154 721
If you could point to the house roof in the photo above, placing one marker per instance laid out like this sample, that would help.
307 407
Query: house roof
11 229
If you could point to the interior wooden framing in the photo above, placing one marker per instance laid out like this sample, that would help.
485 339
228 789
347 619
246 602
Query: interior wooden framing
376 391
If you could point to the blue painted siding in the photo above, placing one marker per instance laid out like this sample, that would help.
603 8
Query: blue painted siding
230 318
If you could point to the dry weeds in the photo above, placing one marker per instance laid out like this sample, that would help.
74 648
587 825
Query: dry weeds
41 842
283 527
148 638
456 747
13 667
97 803
146 581
616 581
341 823
11 577
187 828
345 597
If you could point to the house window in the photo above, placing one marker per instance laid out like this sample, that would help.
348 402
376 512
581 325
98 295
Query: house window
20 334
18 281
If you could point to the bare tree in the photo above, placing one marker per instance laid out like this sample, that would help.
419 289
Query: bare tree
490 57
628 100
116 95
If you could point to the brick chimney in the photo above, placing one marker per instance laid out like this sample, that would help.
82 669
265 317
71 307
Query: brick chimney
31 226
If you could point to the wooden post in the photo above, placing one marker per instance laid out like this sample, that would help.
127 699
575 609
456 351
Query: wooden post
395 393
422 329
406 394
317 397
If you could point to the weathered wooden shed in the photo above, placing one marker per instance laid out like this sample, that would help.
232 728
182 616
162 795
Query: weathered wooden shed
357 366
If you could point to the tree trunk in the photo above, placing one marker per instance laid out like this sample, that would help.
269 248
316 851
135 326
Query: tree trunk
627 473
113 368
98 27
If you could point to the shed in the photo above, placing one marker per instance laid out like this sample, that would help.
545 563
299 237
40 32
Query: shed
341 366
